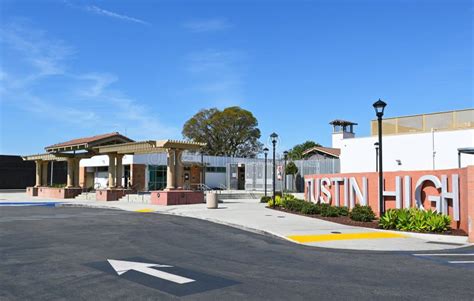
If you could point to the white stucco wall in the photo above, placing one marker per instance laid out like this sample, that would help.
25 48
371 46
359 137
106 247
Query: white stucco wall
415 151
103 160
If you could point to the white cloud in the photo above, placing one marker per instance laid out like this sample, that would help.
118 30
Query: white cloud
47 56
210 25
82 101
100 11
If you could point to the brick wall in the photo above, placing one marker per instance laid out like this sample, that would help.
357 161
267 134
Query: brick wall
138 177
466 190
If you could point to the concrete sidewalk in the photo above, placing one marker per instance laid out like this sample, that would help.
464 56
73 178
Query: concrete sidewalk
253 216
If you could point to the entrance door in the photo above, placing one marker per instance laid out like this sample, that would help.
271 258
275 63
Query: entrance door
232 174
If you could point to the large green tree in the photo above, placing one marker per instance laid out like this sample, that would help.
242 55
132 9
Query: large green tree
296 153
230 132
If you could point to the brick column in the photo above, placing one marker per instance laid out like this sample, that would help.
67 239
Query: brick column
170 170
111 171
70 173
179 169
76 172
470 202
119 169
38 173
137 176
83 177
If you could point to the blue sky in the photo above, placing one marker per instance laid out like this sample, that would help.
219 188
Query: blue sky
78 68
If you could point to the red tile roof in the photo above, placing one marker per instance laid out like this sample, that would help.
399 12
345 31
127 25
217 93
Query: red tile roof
85 140
335 152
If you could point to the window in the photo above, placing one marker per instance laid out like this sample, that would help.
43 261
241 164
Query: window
157 177
218 169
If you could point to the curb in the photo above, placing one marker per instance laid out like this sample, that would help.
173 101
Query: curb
451 239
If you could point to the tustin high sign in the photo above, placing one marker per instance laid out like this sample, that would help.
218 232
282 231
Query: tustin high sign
318 190
448 191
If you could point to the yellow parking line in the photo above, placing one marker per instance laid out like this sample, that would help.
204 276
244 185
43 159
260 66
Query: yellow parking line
145 210
343 236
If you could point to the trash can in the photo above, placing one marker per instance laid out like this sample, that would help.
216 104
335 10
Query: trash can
211 200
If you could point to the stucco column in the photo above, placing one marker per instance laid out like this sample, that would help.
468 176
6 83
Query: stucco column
119 169
70 173
38 173
179 170
111 171
44 173
76 172
170 170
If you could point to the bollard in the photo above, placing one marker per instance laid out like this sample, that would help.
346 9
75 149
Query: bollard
211 200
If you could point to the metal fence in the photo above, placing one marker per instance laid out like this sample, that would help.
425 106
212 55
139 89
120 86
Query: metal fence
255 173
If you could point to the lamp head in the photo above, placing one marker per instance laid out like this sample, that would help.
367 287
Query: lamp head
379 107
285 153
265 150
274 137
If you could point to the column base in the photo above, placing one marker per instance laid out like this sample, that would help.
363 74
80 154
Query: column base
32 191
59 193
176 197
111 194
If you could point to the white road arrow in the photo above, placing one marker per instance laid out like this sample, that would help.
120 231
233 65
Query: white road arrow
121 266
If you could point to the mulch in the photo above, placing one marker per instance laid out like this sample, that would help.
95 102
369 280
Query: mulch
346 220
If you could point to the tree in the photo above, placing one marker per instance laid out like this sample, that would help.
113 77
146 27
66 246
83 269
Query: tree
291 168
296 153
231 132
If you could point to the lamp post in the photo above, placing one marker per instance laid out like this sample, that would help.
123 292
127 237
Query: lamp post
285 156
376 144
265 152
274 138
379 107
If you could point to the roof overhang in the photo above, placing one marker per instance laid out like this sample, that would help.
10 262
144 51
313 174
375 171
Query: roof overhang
149 146
43 157
466 150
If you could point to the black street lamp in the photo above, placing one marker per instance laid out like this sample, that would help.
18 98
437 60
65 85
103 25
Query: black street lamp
376 144
285 156
274 137
265 152
379 107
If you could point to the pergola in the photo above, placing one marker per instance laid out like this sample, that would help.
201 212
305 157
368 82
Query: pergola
115 146
173 149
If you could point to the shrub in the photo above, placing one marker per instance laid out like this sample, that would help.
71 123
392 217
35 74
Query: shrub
289 197
265 199
343 211
389 219
329 211
310 208
415 220
362 213
294 205
278 201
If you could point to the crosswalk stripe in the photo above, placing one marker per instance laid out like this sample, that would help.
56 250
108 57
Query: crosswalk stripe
461 261
446 254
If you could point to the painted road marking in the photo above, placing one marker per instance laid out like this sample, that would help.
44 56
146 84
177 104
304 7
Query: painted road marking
49 204
145 210
446 254
170 279
343 236
122 266
461 261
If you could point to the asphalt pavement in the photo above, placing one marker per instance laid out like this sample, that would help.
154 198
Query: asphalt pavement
61 253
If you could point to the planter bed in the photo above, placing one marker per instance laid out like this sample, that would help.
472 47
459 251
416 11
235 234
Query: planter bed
346 220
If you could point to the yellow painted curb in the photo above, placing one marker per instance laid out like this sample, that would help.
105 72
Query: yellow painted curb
145 210
343 236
